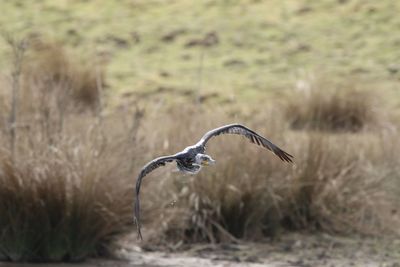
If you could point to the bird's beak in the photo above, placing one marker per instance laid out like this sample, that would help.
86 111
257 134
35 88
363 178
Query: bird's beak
208 162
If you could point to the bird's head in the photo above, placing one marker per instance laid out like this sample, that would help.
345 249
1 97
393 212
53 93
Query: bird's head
204 160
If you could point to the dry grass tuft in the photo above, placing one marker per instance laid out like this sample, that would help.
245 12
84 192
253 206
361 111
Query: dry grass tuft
62 202
65 195
340 185
48 66
63 174
322 105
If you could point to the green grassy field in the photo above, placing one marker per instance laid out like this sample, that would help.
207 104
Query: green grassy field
253 47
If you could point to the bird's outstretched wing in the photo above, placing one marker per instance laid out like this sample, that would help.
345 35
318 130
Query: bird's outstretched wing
249 134
149 167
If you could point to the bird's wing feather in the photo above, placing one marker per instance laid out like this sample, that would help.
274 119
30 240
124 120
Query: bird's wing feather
249 134
149 167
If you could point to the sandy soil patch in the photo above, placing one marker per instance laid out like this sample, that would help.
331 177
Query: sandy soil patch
290 250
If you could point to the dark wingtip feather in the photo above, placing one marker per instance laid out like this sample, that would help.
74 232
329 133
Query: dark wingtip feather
284 156
139 231
139 234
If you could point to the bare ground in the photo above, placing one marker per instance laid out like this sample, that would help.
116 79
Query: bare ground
291 250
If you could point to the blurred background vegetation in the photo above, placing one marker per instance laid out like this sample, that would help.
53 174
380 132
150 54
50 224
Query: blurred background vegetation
244 49
92 90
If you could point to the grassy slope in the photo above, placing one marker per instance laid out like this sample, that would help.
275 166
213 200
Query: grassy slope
263 45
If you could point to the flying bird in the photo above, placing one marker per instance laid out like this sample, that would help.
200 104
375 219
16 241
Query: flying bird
192 158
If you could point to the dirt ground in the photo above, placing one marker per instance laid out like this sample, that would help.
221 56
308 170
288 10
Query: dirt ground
291 250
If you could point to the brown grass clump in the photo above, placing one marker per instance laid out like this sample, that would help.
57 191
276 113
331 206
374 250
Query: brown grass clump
48 66
340 185
62 201
321 105
63 174
47 81
65 195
